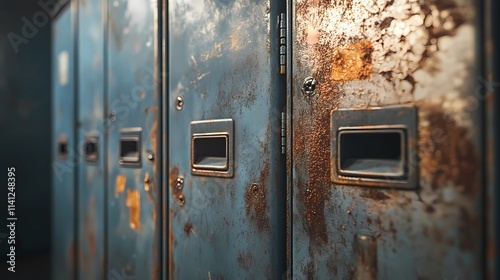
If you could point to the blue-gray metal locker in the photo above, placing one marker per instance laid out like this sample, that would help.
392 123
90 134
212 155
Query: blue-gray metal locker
133 101
225 100
386 170
64 154
91 133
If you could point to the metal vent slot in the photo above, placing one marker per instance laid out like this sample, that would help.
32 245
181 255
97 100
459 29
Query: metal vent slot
210 152
372 153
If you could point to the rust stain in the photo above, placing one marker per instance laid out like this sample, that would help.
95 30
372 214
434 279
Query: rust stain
91 240
154 140
447 153
151 109
177 194
90 226
375 194
188 228
256 199
245 260
121 181
133 203
171 239
312 147
146 182
352 62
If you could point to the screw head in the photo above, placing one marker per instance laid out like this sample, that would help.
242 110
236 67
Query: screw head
151 157
112 116
309 86
179 103
182 200
180 183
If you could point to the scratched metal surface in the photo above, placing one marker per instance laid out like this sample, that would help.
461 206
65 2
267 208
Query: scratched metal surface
91 187
377 53
222 62
63 179
133 192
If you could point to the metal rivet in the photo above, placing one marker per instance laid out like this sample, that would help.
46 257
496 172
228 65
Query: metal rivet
255 188
180 183
309 86
181 200
179 103
349 212
112 116
151 157
120 161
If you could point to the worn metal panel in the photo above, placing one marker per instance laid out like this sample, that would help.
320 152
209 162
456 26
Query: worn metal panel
489 88
133 100
223 64
367 54
91 126
63 131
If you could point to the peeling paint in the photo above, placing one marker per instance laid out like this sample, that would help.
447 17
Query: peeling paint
352 62
421 54
133 203
146 182
121 181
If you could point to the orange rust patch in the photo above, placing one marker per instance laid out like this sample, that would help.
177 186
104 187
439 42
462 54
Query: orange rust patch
188 228
146 182
154 140
447 153
352 62
121 181
133 203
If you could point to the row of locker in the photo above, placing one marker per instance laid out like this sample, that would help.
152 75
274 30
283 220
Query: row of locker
258 139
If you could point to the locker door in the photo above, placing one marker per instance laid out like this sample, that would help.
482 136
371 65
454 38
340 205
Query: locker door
386 140
91 140
63 146
133 224
225 175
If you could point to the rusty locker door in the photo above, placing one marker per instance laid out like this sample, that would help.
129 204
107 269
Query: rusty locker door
133 100
225 174
64 155
386 140
91 140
